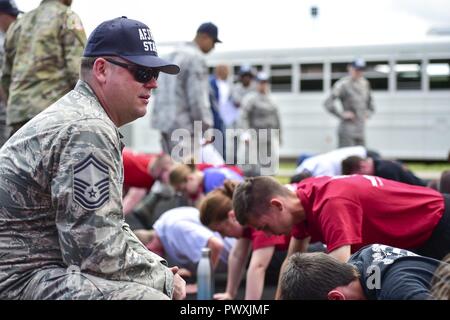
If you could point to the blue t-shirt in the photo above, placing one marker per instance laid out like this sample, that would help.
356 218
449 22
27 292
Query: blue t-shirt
214 178
388 273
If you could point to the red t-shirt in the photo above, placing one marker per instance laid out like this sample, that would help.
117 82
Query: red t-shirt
261 240
360 210
135 169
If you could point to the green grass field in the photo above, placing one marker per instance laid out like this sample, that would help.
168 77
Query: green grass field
417 167
414 166
420 166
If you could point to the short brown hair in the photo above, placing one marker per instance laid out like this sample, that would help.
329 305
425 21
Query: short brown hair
311 276
87 63
215 206
253 195
351 165
180 172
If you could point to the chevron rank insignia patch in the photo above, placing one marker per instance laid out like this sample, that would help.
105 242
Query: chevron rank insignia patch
91 183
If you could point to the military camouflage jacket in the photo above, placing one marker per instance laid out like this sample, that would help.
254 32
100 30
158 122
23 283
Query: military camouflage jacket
355 96
238 92
42 58
183 99
258 111
61 181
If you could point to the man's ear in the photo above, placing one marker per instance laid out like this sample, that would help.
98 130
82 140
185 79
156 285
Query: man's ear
276 203
336 295
231 215
99 70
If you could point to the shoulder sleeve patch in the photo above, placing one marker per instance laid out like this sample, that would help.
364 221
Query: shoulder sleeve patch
73 21
90 183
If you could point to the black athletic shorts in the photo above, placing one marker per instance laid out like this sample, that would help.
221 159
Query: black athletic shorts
438 246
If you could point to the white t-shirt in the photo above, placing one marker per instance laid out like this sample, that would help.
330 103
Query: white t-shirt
183 237
329 164
227 109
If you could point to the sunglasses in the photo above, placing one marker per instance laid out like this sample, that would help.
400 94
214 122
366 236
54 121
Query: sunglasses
140 74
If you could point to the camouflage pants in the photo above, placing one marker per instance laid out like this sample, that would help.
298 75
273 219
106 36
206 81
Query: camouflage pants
350 134
347 141
4 129
66 284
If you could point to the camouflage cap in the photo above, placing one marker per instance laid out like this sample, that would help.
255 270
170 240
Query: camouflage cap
129 39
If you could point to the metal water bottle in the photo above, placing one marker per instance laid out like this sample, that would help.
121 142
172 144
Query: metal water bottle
205 276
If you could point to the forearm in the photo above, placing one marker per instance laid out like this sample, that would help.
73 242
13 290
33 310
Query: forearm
132 198
236 269
295 245
236 265
255 283
330 106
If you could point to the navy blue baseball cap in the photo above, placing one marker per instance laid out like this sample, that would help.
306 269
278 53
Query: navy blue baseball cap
9 7
129 39
246 69
359 64
210 29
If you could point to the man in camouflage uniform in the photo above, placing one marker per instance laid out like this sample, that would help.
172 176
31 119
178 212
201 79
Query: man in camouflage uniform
259 111
244 86
42 57
62 232
357 105
184 99
8 15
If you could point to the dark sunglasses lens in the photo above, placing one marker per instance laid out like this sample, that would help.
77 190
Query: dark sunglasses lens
145 75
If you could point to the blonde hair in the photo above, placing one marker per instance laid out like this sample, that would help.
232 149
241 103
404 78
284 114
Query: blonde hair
180 173
215 206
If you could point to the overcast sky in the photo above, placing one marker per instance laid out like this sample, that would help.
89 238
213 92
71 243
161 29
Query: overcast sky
258 24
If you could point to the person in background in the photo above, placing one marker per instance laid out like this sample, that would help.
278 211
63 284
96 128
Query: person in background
8 15
357 105
260 120
346 213
244 86
179 236
226 111
267 252
329 163
161 198
195 183
141 171
183 100
375 272
62 234
43 51
381 168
